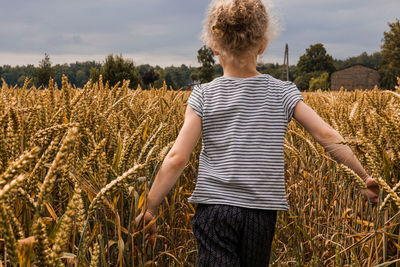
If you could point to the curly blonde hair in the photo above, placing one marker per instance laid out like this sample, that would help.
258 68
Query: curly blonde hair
236 27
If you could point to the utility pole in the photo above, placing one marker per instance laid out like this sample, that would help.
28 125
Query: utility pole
285 67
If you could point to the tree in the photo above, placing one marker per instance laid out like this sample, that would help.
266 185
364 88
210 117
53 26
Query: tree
205 57
116 69
44 72
312 64
161 78
322 82
390 65
94 74
169 81
364 58
303 81
149 77
81 77
315 59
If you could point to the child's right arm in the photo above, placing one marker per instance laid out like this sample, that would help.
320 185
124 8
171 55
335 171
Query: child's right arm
328 137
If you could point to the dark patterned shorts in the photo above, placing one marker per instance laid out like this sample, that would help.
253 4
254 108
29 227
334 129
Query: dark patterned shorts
233 236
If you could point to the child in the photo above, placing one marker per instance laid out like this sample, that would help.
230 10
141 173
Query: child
243 116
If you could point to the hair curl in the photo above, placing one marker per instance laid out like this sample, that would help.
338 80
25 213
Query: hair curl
236 27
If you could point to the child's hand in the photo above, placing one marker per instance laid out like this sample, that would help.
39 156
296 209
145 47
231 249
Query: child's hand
149 220
372 191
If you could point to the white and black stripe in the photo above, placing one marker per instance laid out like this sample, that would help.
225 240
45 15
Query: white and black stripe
244 121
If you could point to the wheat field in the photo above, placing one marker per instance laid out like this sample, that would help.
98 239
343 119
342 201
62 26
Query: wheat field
76 164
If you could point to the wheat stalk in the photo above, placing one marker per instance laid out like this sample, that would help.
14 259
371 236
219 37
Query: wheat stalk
48 182
109 188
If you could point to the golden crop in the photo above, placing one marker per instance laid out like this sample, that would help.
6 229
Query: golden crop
76 164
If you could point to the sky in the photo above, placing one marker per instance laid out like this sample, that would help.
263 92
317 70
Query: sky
165 33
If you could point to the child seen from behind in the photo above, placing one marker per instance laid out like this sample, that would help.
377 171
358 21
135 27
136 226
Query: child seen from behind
243 117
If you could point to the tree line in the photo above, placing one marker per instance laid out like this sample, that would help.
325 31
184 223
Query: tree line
312 71
116 68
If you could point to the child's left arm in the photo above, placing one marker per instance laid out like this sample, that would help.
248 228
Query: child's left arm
173 165
328 137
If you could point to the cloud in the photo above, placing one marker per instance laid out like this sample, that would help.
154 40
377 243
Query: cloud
347 28
159 29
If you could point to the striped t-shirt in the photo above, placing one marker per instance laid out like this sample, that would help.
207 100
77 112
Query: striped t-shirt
244 121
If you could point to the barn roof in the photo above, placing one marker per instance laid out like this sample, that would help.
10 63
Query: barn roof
359 64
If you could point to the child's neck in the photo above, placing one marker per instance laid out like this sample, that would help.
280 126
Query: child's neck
235 69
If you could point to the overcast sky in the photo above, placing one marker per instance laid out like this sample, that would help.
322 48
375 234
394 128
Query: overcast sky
168 32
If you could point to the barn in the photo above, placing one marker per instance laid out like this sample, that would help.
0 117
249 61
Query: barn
355 77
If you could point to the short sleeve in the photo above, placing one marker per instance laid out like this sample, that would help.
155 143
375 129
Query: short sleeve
195 100
291 95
